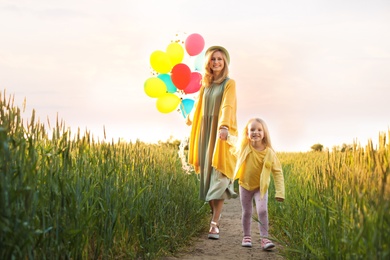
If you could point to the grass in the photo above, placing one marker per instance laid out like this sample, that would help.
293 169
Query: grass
66 195
74 197
337 204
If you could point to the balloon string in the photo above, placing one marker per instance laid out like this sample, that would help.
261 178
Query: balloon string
183 109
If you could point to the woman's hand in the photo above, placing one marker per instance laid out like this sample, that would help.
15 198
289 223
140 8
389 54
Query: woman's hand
188 121
223 134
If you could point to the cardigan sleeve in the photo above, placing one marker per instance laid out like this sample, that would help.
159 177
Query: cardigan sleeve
277 173
229 107
223 159
193 146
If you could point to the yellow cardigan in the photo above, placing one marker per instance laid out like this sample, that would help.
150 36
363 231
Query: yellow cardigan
223 160
271 164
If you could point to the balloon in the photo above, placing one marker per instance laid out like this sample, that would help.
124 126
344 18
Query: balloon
154 87
199 61
175 52
194 44
186 106
168 82
181 75
160 62
167 103
195 83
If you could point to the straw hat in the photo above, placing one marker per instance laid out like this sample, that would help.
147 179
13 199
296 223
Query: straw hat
220 48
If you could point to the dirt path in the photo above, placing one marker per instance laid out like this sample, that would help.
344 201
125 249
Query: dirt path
229 244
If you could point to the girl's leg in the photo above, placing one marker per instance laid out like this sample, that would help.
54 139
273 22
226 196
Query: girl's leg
262 212
246 204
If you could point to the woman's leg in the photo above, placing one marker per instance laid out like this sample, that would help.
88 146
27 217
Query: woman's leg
217 206
214 225
246 198
262 212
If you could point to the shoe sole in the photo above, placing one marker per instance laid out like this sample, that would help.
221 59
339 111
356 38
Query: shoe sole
213 236
268 247
246 245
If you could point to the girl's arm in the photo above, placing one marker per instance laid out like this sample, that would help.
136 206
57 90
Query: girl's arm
277 172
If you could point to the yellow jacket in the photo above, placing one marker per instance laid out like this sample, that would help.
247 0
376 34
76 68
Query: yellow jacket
271 164
223 160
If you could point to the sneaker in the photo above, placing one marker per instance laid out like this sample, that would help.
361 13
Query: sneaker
246 241
267 244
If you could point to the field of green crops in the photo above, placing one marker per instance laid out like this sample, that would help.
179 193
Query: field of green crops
337 204
76 198
65 195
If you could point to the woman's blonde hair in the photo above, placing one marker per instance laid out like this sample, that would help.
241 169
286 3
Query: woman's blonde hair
244 138
208 77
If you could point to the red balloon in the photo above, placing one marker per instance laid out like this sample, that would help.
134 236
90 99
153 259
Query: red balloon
181 75
194 44
194 84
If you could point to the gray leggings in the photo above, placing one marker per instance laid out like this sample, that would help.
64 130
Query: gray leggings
246 198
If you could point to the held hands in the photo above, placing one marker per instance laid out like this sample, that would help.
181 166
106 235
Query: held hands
223 133
279 199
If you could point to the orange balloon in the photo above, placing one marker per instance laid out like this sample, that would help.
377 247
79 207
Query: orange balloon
181 75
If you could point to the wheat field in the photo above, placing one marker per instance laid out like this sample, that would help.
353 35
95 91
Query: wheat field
66 195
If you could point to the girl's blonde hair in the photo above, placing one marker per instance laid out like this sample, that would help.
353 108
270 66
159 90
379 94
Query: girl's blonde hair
244 138
208 77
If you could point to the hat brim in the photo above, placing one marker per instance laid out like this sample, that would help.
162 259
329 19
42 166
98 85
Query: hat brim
219 48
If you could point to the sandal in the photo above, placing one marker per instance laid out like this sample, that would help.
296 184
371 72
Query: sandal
246 241
214 231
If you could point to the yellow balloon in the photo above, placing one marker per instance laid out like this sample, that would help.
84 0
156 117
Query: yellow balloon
175 52
155 87
160 62
167 103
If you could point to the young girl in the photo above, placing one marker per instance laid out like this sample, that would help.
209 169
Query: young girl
256 160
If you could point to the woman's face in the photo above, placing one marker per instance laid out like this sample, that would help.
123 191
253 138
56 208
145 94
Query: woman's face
255 131
217 62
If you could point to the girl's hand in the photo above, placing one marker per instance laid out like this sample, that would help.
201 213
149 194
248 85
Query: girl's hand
223 134
280 199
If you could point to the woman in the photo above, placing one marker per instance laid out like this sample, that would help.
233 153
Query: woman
213 121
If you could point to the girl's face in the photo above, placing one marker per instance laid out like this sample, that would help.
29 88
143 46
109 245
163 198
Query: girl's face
255 131
217 62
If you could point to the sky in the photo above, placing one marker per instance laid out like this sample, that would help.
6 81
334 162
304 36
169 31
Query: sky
315 71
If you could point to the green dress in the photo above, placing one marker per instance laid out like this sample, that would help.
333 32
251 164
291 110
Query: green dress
213 184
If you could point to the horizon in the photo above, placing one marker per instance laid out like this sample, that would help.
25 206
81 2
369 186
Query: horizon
99 137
